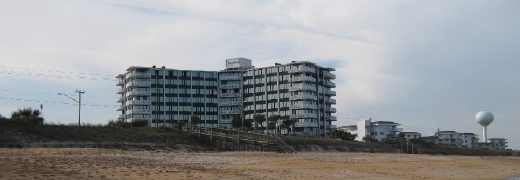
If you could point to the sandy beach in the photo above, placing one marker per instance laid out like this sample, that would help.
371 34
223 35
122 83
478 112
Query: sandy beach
84 163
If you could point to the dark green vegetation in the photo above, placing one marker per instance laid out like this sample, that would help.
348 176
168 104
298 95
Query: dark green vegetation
25 128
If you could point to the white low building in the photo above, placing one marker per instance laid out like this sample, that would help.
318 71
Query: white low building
497 143
377 129
411 135
468 140
450 138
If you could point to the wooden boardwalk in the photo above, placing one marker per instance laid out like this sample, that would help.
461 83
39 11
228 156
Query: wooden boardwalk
243 141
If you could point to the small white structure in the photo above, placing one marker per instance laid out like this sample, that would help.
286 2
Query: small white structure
377 130
411 135
468 140
497 143
448 138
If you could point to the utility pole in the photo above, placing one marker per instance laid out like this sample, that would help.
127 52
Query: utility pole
79 106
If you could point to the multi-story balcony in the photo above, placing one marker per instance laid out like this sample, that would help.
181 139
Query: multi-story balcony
138 93
138 111
302 78
230 95
331 118
329 84
304 115
229 103
226 121
329 92
229 77
121 99
302 87
303 97
229 86
399 130
134 74
138 84
303 106
329 75
230 112
330 101
305 124
302 69
138 102
119 91
120 116
120 82
330 109
120 108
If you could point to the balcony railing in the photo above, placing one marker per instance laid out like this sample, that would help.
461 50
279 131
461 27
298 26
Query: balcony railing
230 112
303 106
226 121
230 95
138 75
329 75
230 77
119 91
303 96
302 78
305 124
329 92
302 69
332 127
329 84
138 111
396 130
120 82
331 118
302 87
330 101
138 93
138 83
229 86
228 103
120 116
330 109
121 99
120 108
304 115
138 102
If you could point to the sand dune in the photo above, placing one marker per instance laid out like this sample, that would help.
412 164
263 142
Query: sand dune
82 163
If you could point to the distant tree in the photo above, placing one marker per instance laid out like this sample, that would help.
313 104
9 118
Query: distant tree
27 114
338 134
370 139
288 123
195 120
248 124
2 118
273 119
140 123
236 122
259 119
179 125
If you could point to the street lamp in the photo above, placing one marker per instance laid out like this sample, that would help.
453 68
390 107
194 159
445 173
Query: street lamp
79 104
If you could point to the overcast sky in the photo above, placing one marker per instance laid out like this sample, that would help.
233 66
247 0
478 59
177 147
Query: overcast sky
425 64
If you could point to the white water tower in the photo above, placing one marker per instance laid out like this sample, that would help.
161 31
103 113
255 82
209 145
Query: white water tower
484 118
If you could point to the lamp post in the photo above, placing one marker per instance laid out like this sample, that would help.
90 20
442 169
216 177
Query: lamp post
79 104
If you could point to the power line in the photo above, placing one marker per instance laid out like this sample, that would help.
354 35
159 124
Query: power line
54 93
27 69
54 76
56 102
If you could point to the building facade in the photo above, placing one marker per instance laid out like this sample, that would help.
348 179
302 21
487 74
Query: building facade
164 97
377 129
299 90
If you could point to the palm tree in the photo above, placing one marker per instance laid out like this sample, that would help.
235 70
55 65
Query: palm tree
27 114
288 123
259 119
195 120
272 121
